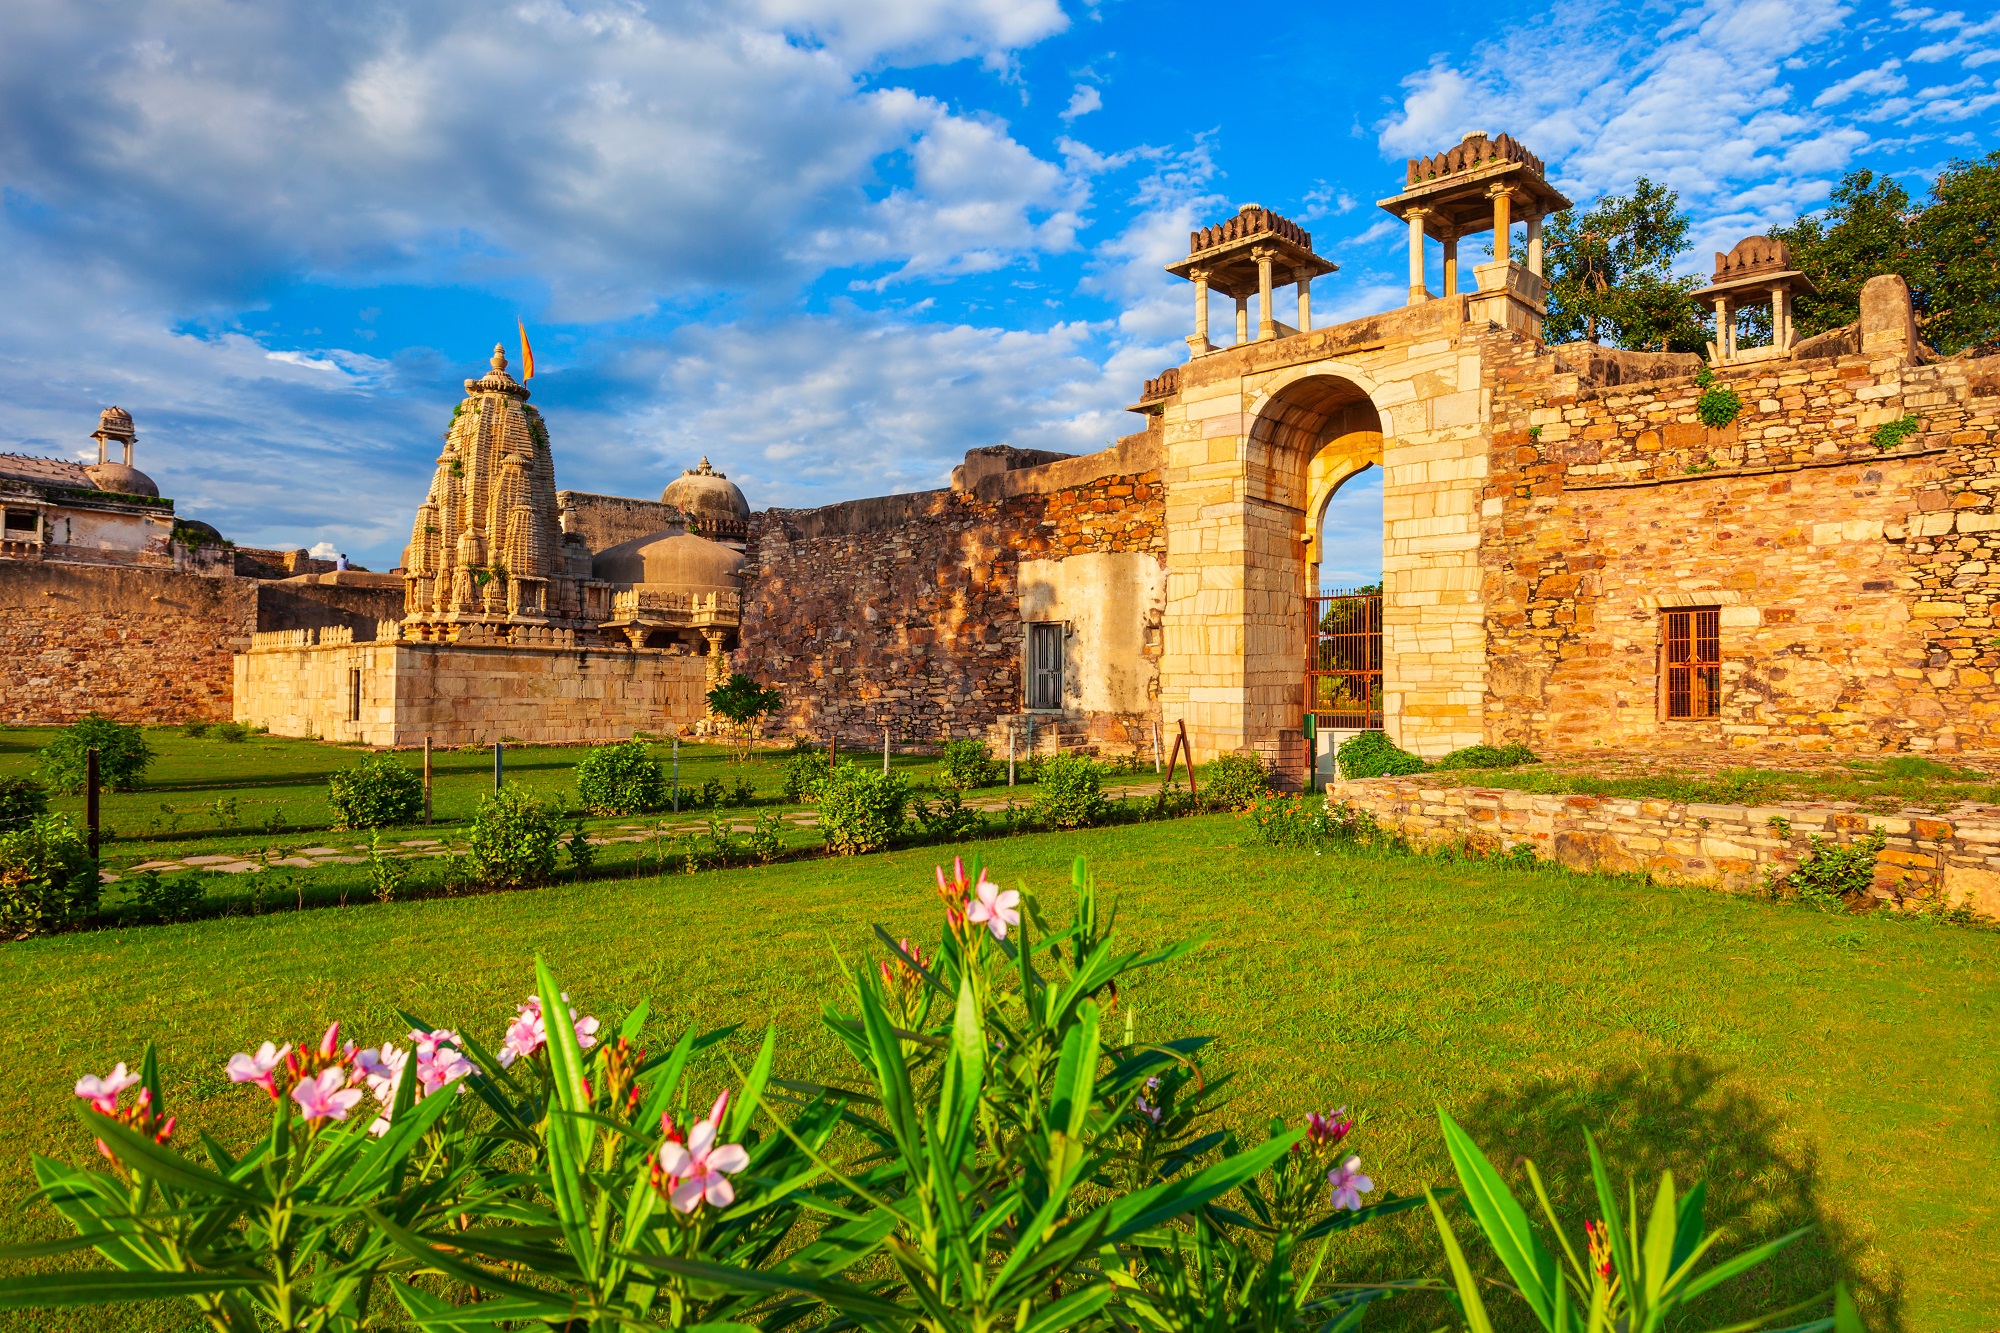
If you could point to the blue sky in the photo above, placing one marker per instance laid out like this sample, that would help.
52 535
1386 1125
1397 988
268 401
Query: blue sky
832 244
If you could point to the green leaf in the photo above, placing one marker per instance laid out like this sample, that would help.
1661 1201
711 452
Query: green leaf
110 1286
1470 1305
1071 1311
847 1299
745 1105
1741 1263
138 1152
1846 1319
437 1254
1687 1235
42 1249
1171 1198
892 1076
1076 1074
1658 1253
635 1022
964 1075
428 1312
565 1057
1505 1223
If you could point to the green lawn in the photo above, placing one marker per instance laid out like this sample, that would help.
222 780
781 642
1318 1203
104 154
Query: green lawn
1879 786
1836 1070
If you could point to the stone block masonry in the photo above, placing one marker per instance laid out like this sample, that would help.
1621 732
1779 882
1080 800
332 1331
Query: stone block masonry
1729 847
395 693
906 611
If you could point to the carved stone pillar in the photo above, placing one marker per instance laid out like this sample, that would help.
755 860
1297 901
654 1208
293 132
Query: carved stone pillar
1303 277
1200 341
1503 224
1451 264
1242 320
1535 245
1267 320
1418 292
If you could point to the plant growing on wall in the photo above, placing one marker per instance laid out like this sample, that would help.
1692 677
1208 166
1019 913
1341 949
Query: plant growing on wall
1717 407
1891 434
741 701
122 754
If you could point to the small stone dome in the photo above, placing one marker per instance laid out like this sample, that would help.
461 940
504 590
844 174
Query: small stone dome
713 503
115 423
202 531
677 561
122 479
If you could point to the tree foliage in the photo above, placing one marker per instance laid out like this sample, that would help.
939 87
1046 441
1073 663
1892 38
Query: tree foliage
1610 272
1947 249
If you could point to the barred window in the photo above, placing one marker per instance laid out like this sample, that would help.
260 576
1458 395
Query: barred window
1693 654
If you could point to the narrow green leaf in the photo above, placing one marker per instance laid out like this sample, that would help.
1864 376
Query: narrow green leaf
1070 1311
437 1254
110 1286
1076 1074
565 1057
1474 1309
1736 1264
666 1080
138 1152
1846 1319
1505 1223
428 1312
745 1105
841 1296
1687 1233
1607 1204
892 1076
635 1022
1171 1198
964 1076
42 1249
1657 1255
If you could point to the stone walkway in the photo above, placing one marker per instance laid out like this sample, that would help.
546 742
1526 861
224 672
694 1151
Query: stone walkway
308 858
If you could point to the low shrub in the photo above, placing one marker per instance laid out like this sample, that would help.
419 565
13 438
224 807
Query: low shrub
767 839
122 755
1371 754
861 809
48 881
804 772
950 819
708 797
622 779
514 841
1233 782
233 732
1487 756
1070 793
582 852
1299 821
195 730
21 801
376 793
741 793
175 899
969 764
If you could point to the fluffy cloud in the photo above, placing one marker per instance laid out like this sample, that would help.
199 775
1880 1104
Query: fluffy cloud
1082 102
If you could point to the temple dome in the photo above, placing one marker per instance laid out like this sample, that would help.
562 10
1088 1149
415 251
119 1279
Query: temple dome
714 504
122 479
678 561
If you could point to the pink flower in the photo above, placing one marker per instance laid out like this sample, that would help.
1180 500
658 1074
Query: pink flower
329 1045
992 907
698 1170
1325 1131
439 1061
258 1068
102 1093
1349 1184
526 1035
326 1097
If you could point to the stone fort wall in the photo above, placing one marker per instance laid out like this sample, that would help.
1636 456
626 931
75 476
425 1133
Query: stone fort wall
905 611
1855 584
146 645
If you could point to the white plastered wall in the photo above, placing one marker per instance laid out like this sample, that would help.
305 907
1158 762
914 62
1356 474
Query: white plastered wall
1106 599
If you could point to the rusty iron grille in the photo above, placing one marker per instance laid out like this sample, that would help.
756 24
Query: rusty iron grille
1344 661
1694 662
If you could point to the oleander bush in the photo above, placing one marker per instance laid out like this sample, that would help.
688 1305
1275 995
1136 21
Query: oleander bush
1311 822
861 809
1069 793
1371 754
1233 782
622 779
48 879
997 1155
515 839
805 769
379 792
122 755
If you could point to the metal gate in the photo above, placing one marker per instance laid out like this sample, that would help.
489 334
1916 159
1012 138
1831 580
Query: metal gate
1045 666
1344 661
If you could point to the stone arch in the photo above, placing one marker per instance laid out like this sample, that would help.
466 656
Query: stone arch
1310 430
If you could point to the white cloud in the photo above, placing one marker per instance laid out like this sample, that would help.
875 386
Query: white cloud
906 32
1082 102
1882 79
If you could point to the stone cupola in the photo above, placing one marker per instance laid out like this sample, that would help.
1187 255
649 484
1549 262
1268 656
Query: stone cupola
1756 271
714 504
1242 257
1480 184
486 547
108 474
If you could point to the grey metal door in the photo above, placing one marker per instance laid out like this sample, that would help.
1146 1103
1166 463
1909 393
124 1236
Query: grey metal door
1045 665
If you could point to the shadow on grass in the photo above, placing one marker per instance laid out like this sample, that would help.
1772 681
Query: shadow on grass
1685 1114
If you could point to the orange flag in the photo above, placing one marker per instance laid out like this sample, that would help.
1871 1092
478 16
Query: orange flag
527 353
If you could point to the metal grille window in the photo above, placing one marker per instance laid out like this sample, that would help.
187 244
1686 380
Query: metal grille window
1693 655
1045 665
354 694
21 521
1344 660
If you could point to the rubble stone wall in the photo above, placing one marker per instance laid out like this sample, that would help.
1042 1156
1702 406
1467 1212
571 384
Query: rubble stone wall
604 521
144 645
905 611
1855 584
1728 846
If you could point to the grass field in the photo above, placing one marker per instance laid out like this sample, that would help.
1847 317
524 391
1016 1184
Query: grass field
1881 786
1826 1069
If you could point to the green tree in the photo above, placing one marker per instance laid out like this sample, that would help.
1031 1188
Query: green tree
122 754
1610 272
1864 231
741 701
1958 247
